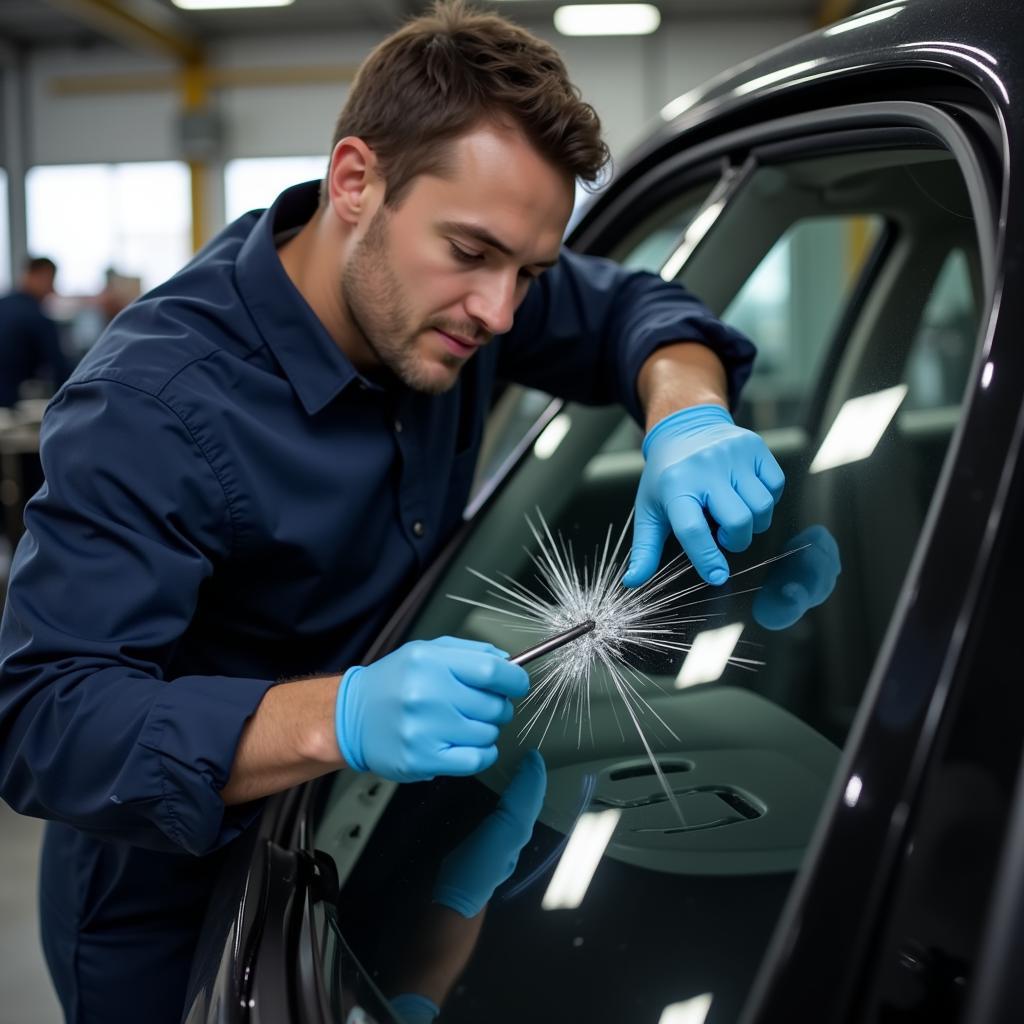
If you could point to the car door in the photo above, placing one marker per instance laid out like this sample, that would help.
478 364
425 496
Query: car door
859 244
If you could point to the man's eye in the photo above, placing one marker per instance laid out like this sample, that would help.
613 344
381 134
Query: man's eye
463 256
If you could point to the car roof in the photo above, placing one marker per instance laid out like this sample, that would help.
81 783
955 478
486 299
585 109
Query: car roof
974 43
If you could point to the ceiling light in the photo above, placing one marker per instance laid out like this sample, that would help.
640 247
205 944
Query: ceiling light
607 19
858 428
709 655
223 5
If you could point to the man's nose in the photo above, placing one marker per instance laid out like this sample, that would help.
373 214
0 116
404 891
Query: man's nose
494 303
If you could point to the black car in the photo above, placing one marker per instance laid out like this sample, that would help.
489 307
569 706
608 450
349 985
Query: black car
853 842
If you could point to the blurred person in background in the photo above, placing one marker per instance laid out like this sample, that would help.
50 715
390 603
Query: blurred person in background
29 340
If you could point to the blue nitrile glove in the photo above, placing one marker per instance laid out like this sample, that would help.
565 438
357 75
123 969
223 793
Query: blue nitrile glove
695 459
430 708
412 1008
481 862
802 580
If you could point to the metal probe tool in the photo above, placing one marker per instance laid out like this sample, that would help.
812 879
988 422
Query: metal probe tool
552 643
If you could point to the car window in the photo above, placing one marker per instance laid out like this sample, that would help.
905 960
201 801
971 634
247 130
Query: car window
792 304
646 248
683 785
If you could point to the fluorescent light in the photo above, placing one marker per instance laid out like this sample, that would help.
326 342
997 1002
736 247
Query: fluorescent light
551 437
579 861
858 428
223 5
692 1011
607 19
867 19
709 655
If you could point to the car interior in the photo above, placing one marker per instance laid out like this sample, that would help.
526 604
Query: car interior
856 270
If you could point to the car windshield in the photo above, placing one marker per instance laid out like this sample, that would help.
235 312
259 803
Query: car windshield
685 774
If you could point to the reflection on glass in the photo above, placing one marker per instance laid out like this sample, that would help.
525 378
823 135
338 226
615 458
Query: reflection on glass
709 656
986 374
853 790
547 444
858 428
692 1011
802 579
582 854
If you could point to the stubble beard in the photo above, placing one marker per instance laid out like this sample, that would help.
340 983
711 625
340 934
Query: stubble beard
377 307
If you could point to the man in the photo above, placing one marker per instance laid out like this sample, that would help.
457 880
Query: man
251 467
29 342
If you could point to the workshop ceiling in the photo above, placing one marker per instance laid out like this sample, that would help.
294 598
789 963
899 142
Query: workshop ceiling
47 23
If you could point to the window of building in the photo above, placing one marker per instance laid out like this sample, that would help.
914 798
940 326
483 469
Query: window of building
254 183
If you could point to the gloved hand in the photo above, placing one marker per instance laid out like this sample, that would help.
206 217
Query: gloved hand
699 458
801 581
481 862
412 1008
432 707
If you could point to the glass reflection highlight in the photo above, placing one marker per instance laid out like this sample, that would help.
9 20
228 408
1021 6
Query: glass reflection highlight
853 791
583 852
692 1011
709 656
552 436
858 428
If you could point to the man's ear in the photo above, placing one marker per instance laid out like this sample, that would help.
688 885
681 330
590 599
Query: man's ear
351 179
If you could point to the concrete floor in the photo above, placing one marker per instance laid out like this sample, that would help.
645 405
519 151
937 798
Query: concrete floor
26 996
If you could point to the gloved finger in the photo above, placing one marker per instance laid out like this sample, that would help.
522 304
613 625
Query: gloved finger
523 797
468 732
650 529
817 574
469 645
734 518
466 760
757 498
481 705
488 672
691 529
779 607
770 473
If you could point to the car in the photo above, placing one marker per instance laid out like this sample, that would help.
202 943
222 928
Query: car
829 826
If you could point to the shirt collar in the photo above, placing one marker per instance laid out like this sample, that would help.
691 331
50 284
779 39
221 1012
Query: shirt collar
315 366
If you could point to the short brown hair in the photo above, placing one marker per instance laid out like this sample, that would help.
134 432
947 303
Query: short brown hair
445 72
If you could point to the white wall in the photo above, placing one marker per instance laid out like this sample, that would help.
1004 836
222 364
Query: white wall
627 80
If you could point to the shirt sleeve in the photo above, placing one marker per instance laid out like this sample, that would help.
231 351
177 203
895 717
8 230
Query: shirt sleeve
587 326
104 584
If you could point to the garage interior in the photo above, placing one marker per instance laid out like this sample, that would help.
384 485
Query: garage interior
106 105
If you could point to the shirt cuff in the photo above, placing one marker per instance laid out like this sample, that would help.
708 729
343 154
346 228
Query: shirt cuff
193 730
733 348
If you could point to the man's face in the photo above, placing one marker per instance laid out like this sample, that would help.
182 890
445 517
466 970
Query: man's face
431 281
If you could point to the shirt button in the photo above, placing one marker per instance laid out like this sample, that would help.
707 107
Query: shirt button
418 528
398 426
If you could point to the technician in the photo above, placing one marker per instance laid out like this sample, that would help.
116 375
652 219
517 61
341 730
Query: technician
260 456
29 342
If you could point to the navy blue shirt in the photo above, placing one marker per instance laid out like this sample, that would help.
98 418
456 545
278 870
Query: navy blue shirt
29 343
227 502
